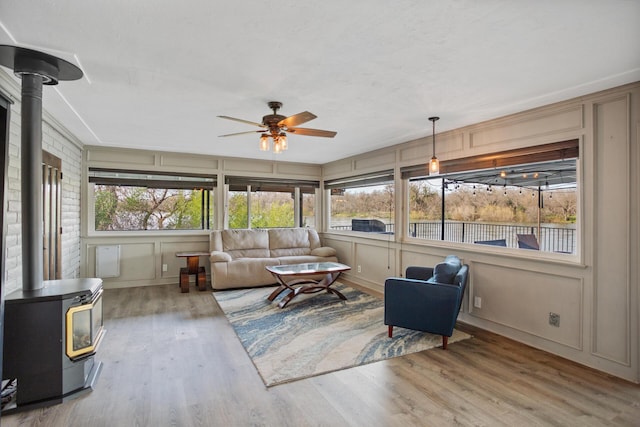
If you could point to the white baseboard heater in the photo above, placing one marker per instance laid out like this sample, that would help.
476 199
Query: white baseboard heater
107 261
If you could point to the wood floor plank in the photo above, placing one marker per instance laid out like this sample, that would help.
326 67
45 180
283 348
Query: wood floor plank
173 359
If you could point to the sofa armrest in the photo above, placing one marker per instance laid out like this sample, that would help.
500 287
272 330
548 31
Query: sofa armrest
218 256
323 251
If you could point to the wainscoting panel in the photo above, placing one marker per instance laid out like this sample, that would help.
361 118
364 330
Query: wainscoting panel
98 157
612 321
337 168
378 161
298 169
374 262
524 300
420 150
246 165
545 123
170 160
422 259
137 263
343 248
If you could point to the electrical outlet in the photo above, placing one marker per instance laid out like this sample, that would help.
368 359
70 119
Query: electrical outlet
164 267
554 319
359 269
477 302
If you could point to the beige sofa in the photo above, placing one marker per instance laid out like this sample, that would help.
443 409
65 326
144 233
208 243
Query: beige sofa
239 257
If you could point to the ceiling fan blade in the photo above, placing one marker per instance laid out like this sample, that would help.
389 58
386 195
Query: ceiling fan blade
243 121
296 119
241 133
312 132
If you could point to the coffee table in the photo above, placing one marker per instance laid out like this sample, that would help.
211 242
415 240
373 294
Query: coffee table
289 276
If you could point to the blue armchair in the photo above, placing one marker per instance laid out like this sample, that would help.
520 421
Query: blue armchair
428 299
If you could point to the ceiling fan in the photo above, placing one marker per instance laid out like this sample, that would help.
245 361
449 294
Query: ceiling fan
275 126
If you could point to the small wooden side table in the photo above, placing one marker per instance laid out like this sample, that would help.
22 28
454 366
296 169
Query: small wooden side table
193 267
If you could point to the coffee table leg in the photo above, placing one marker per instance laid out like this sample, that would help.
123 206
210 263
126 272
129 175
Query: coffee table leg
325 284
330 278
277 292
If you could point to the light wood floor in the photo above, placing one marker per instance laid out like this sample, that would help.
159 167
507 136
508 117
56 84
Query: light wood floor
173 359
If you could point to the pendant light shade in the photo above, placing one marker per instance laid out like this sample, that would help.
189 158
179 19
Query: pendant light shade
434 164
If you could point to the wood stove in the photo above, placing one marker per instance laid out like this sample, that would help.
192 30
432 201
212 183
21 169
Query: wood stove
51 328
50 339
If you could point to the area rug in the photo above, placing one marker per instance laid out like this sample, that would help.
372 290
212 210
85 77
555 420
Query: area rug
316 333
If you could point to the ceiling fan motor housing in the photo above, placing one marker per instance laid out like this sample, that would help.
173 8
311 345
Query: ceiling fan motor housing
272 120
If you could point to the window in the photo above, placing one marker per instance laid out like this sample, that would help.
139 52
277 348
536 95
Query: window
52 215
527 199
135 200
270 203
364 203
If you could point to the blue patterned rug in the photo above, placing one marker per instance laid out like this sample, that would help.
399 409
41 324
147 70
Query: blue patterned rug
316 333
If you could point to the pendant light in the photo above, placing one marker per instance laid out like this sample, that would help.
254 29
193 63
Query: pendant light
434 164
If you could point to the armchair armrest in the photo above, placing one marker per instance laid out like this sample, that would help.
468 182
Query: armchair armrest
219 256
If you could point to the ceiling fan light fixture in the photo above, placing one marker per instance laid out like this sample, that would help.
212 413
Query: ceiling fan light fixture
434 164
274 127
277 145
283 140
264 143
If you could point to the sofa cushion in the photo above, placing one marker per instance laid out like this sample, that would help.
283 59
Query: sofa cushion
246 243
289 242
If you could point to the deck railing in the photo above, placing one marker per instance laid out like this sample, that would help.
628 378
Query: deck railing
550 239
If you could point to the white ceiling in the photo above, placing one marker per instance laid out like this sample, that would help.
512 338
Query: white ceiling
157 73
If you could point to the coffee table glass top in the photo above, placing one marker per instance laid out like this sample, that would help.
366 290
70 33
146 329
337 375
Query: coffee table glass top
308 268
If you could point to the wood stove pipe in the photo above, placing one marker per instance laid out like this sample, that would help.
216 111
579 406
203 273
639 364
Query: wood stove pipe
35 68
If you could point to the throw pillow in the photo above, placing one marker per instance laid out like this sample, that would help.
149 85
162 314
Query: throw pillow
446 271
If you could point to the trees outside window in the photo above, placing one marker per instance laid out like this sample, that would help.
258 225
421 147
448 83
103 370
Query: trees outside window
485 207
237 209
124 208
270 203
308 210
137 201
271 209
522 198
